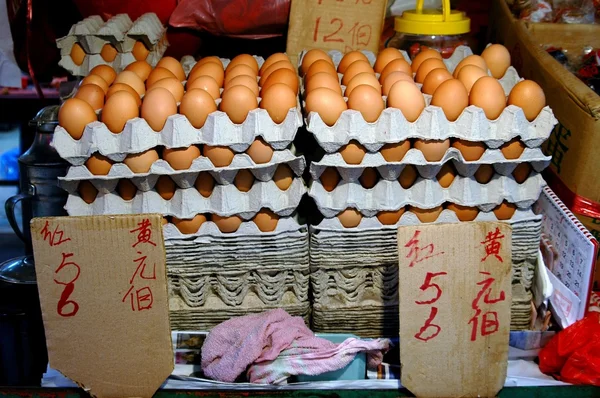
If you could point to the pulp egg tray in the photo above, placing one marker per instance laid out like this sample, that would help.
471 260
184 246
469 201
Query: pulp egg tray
182 178
225 200
392 170
426 193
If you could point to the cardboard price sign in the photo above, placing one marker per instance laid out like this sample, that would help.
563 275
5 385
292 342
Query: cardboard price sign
103 292
343 25
455 296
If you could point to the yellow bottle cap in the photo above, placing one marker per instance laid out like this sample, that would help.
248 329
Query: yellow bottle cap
433 22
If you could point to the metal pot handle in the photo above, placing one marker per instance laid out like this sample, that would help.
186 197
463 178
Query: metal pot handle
9 207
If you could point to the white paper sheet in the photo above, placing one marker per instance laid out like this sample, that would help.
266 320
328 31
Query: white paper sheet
10 74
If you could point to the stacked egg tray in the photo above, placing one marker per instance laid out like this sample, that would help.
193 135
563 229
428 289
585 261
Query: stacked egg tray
354 271
92 34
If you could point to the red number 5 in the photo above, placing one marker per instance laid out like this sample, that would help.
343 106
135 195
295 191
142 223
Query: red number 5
428 284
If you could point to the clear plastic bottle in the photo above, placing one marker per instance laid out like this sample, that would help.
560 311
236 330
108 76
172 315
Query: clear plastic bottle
443 31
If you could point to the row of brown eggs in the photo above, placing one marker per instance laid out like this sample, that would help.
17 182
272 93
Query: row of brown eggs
468 85
109 52
351 217
265 220
205 184
180 158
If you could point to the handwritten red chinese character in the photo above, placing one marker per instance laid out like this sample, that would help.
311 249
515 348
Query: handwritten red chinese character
422 335
417 253
54 238
64 301
492 244
144 233
143 298
489 323
141 268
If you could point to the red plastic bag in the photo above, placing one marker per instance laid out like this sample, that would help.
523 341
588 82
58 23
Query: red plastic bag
248 19
573 355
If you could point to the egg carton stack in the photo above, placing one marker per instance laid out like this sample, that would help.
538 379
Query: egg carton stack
373 178
116 42
228 193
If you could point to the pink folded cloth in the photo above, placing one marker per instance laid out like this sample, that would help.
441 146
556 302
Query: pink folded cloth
273 345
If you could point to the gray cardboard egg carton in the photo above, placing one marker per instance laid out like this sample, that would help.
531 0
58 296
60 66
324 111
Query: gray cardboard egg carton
426 193
183 178
427 169
225 200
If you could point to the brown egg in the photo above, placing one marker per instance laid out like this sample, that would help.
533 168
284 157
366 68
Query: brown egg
205 184
173 65
512 149
284 76
318 66
98 164
484 173
505 211
488 94
330 178
393 78
108 52
227 225
244 80
396 65
239 70
271 60
140 68
368 101
266 220
386 56
164 221
529 96
260 152
463 213
196 105
211 59
95 79
157 74
181 158
350 57
126 189
105 72
354 69
426 67
87 191
433 150
207 84
220 156
446 175
74 115
470 150
237 102
77 54
407 97
353 152
120 107
470 60
141 162
275 67
283 177
327 103
311 56
244 59
395 151
165 187
189 226
124 87
521 172
130 78
408 176
173 85
497 59
360 79
350 218
390 217
422 57
140 52
427 215
434 79
323 80
278 100
157 106
209 69
244 180
369 177
469 74
452 97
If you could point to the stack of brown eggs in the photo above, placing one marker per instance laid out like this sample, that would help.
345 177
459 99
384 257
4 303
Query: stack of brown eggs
408 142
